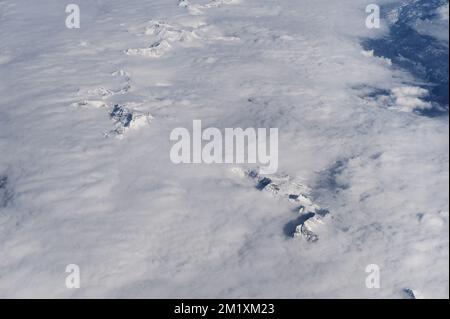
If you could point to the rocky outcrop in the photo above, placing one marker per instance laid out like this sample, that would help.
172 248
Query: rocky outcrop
311 216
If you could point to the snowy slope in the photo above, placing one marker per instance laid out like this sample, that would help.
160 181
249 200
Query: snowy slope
85 182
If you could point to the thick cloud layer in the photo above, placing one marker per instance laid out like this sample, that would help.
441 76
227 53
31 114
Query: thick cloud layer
90 188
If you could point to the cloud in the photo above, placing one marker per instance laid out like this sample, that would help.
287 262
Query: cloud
140 226
436 27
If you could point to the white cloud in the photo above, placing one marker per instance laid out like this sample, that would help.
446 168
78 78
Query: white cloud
443 11
438 27
410 98
138 226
